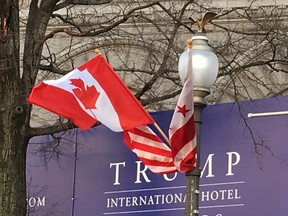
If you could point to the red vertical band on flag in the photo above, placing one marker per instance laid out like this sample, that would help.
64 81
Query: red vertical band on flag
51 98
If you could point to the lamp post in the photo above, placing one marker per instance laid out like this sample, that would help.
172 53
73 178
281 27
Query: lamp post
204 74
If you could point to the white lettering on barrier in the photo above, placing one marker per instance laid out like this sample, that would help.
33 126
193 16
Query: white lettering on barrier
117 171
142 172
208 163
227 194
170 179
146 200
232 163
36 201
233 159
216 215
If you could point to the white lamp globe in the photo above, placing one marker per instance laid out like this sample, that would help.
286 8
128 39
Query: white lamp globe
204 64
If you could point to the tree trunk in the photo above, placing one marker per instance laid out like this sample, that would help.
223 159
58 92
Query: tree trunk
12 169
13 122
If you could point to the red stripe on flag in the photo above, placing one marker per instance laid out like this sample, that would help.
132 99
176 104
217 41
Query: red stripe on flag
158 167
189 162
183 135
147 134
151 149
51 98
156 163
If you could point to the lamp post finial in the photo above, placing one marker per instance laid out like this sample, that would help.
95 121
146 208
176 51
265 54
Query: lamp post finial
207 17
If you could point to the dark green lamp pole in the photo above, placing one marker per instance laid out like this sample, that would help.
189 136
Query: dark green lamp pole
204 73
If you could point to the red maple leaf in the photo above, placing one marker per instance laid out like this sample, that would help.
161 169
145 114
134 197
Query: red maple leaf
88 96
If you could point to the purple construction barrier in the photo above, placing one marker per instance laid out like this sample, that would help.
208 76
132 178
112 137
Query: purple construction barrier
92 173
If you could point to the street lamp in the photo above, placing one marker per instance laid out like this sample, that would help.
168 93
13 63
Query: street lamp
204 74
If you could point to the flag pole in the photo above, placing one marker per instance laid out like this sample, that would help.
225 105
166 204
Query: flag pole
97 52
162 133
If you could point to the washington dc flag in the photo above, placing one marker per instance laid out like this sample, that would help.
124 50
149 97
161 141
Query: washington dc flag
182 132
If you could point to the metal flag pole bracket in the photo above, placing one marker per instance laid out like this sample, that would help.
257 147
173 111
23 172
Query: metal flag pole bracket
252 115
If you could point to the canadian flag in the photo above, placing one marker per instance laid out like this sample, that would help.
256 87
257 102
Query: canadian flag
182 127
93 92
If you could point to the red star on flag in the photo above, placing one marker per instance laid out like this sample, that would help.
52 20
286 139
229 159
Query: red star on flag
183 110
